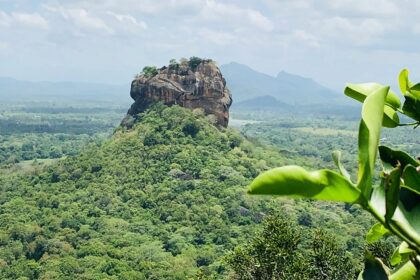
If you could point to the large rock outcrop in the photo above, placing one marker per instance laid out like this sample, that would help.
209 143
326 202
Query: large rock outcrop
190 85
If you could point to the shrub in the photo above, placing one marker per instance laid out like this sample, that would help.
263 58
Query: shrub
149 71
194 62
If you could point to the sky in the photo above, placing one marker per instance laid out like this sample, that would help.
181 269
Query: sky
109 41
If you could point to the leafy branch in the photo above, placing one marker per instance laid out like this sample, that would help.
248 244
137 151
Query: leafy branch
395 202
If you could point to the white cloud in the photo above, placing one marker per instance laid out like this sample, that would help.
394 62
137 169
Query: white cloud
81 19
5 20
33 20
365 7
233 14
356 32
128 23
85 21
296 35
262 22
216 37
147 7
30 20
304 37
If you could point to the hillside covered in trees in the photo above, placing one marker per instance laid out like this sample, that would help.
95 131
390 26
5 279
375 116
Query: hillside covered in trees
162 200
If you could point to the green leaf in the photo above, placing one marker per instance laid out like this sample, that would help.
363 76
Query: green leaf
411 178
390 158
391 118
376 232
415 90
361 91
392 102
377 200
406 217
392 190
336 155
294 181
401 254
411 93
411 107
405 83
406 272
374 270
369 133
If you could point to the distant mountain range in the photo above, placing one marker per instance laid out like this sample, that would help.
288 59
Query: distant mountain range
250 90
262 103
246 83
270 104
12 89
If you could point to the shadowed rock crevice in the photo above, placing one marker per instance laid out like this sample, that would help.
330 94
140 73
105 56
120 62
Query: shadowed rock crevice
201 86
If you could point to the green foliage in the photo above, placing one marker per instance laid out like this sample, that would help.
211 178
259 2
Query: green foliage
376 232
394 203
361 91
163 200
149 71
182 65
173 64
369 133
401 254
297 182
191 128
61 121
155 201
384 249
374 270
194 62
411 94
336 155
33 135
183 61
284 251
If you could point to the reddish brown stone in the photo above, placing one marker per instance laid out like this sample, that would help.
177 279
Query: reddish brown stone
203 87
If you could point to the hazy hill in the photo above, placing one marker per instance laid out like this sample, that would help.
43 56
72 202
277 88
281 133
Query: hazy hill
246 83
262 103
12 89
243 82
269 105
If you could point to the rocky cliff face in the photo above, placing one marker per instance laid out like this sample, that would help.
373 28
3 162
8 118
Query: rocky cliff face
191 86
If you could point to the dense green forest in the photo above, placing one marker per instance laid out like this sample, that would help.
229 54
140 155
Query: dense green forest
165 200
314 138
45 132
209 140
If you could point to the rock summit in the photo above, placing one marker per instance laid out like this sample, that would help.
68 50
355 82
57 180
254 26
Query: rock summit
194 83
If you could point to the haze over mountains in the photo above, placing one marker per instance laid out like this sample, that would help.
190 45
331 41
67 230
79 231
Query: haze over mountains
250 89
246 83
12 89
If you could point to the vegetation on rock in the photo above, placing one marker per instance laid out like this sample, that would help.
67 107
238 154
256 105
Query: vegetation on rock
149 71
195 84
